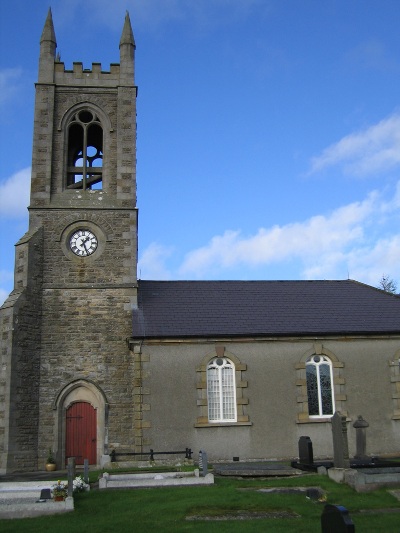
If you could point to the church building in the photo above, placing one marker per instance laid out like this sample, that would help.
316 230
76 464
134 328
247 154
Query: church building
94 360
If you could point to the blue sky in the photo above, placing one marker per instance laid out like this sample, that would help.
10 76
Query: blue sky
268 131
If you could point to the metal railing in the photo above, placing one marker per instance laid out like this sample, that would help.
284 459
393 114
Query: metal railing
113 455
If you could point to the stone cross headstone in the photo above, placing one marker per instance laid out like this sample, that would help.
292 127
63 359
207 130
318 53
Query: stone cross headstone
71 475
336 519
306 455
203 463
340 442
360 426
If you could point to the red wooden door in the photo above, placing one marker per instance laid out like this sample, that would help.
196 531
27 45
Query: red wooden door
81 431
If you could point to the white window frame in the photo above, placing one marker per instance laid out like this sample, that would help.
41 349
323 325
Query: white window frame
221 390
316 361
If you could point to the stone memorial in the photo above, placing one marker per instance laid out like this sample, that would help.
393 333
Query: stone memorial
86 470
203 463
45 494
360 426
71 475
336 519
306 451
313 493
340 442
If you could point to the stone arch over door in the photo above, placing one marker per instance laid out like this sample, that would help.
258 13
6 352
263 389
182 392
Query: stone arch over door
82 392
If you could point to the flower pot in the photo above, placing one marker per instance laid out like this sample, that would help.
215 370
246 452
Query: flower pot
59 498
50 467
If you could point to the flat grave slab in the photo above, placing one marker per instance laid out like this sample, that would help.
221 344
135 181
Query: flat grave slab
256 469
244 515
146 480
367 479
20 499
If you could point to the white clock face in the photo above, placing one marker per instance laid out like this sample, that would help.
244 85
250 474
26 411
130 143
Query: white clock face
83 242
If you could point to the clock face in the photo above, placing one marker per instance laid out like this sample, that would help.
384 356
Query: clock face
83 243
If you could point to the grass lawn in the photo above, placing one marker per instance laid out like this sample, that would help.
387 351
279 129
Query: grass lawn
166 509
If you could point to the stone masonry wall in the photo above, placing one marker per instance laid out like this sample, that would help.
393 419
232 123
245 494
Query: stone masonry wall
84 337
42 145
114 264
20 357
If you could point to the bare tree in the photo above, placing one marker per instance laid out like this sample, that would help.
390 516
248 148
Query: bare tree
388 284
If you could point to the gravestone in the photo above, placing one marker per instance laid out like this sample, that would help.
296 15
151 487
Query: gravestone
313 494
340 442
45 494
306 455
360 426
203 463
71 475
336 519
86 470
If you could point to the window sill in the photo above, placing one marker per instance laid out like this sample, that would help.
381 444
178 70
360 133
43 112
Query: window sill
223 424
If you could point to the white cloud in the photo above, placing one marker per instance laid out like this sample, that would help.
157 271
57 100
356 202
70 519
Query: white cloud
152 262
372 55
10 82
370 263
369 151
14 194
326 245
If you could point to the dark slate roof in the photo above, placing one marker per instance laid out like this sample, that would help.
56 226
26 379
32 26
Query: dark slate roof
172 309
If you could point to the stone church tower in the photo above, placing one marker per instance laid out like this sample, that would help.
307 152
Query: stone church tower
67 374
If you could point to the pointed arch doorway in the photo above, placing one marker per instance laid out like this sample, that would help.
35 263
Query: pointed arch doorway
81 433
81 427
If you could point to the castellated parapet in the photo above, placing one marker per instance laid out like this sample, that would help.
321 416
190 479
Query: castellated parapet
80 76
83 76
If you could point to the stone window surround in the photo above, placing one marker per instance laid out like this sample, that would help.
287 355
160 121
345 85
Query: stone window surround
221 397
338 386
63 127
85 152
323 360
241 385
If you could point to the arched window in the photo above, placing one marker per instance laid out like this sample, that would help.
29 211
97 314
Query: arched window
85 151
221 390
319 386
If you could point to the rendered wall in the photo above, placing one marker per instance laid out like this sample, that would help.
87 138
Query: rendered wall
274 379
